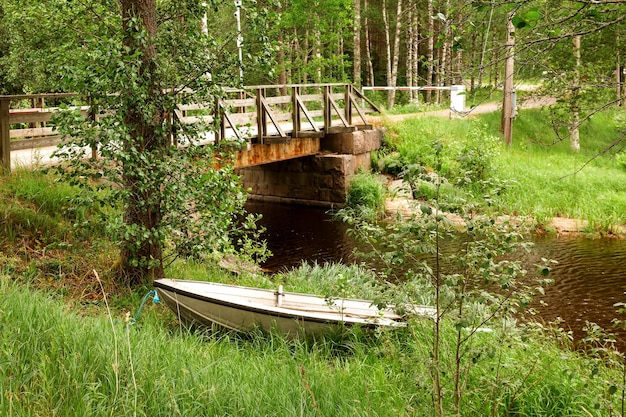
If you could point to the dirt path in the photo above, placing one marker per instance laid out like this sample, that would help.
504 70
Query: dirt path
489 107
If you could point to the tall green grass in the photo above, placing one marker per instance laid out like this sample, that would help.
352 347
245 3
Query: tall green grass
366 195
57 362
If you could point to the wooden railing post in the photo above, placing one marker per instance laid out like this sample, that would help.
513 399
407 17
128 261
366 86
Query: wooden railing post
347 104
295 112
261 119
327 108
5 139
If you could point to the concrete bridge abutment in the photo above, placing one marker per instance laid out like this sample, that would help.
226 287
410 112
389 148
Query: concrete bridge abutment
319 180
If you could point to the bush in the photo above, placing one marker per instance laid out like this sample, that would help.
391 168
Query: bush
366 196
476 156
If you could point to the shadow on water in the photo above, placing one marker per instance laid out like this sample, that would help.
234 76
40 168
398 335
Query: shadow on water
298 233
590 276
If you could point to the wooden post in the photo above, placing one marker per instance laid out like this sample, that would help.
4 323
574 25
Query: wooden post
507 100
5 139
260 111
327 108
347 104
295 112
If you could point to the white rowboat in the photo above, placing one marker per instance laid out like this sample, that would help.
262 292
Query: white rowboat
244 308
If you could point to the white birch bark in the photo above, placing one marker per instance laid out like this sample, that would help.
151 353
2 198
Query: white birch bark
430 50
368 50
356 63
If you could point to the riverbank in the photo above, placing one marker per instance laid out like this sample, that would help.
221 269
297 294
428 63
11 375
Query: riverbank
400 202
537 177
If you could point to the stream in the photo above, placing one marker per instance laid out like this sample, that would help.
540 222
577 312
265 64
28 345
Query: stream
589 279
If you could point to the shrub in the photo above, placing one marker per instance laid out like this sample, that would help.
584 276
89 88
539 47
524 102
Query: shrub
476 155
366 196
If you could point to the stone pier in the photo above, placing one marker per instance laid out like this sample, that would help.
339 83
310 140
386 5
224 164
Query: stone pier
319 180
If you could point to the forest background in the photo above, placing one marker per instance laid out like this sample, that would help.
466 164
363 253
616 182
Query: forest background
386 42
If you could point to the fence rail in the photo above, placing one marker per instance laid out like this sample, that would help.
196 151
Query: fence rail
255 114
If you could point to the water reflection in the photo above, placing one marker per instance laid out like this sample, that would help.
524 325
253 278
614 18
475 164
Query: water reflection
590 276
299 233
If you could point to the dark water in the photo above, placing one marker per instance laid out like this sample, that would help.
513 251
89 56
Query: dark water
588 280
298 233
590 276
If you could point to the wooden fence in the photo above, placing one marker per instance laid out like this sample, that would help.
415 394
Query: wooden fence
256 114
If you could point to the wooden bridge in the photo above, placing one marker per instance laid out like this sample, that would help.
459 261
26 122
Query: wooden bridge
277 122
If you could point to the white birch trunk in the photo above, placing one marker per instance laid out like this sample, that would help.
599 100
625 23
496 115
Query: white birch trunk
430 50
356 63
368 50
396 52
387 49
392 58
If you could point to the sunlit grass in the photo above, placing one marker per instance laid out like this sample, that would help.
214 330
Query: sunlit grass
544 177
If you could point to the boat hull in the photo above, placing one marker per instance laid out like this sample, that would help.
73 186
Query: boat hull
245 309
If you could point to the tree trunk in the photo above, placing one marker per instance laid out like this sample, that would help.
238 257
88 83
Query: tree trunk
141 256
473 61
444 64
396 52
410 45
368 47
317 53
481 67
412 52
619 76
282 68
392 58
507 96
416 52
430 51
356 63
574 133
387 51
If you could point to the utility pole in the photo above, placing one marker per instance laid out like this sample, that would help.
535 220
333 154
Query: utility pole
506 125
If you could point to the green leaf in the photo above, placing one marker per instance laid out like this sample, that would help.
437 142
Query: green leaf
518 22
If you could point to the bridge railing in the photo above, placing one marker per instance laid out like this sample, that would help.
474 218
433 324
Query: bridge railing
270 113
255 114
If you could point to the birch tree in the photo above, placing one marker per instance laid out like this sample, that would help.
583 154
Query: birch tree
356 54
392 57
174 201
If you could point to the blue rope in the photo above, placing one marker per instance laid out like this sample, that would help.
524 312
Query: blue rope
155 299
